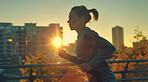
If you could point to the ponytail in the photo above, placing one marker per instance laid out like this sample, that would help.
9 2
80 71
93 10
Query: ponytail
83 11
95 13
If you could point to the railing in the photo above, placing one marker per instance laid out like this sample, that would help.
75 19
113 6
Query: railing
31 77
124 79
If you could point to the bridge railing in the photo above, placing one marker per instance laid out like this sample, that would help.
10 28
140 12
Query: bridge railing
31 77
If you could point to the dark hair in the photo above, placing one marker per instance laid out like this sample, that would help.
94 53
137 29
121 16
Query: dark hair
83 11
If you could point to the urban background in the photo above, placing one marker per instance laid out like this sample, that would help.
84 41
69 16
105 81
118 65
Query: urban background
122 22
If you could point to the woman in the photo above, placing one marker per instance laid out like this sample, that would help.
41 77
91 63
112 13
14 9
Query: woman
91 49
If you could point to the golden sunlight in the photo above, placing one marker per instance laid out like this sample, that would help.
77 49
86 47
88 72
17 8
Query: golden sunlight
57 42
10 40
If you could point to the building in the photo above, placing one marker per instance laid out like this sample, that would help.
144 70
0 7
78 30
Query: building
44 39
142 42
117 36
12 44
18 41
40 37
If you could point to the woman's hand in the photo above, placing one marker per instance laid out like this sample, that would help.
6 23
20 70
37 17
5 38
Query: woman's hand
85 67
62 53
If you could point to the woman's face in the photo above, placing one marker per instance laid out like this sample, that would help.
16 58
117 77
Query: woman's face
74 20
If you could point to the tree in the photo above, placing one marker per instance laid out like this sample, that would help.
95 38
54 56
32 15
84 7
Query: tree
41 58
140 51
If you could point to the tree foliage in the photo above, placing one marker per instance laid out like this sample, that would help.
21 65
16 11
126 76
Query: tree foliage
41 58
140 51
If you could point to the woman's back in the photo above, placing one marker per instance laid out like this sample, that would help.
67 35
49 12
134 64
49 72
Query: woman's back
86 47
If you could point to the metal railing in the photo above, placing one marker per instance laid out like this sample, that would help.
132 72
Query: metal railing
31 77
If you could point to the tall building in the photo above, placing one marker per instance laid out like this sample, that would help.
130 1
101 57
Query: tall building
117 36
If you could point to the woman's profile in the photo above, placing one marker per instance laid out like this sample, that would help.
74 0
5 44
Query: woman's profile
91 49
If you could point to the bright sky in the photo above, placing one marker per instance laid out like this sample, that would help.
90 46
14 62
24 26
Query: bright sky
128 14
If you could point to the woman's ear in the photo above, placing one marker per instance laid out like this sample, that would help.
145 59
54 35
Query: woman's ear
82 18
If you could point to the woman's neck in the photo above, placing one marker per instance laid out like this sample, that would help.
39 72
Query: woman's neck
80 30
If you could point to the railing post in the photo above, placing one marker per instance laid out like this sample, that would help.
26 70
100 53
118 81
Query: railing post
31 76
124 72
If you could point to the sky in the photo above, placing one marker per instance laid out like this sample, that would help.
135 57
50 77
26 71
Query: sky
129 14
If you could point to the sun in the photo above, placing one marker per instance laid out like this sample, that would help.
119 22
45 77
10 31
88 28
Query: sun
57 42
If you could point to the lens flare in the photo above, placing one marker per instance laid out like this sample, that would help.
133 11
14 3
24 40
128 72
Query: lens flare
10 40
57 42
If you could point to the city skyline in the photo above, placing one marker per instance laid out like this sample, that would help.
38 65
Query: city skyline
127 14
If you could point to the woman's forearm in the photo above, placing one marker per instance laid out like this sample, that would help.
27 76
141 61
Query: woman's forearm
73 59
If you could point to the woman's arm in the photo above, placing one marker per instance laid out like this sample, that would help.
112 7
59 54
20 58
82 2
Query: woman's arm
106 50
69 57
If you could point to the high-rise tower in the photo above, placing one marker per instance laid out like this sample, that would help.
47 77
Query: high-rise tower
117 36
